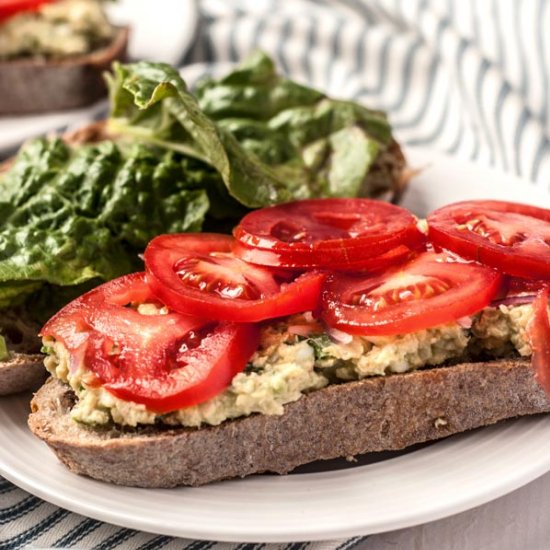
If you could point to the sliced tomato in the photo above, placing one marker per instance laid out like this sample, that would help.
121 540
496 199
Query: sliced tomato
432 289
516 291
538 331
165 361
357 263
197 274
516 286
514 238
9 8
325 232
71 324
182 370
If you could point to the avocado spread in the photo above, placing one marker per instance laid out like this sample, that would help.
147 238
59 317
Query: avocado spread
502 330
286 366
60 29
290 363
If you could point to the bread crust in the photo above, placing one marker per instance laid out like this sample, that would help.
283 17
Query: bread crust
38 86
22 371
374 414
24 368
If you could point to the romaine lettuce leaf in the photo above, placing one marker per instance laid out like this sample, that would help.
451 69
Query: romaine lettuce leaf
270 139
70 215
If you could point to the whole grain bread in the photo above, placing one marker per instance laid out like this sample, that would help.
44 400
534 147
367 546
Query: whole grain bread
41 85
374 414
21 372
24 368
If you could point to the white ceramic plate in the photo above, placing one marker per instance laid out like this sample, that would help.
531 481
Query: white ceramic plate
162 30
429 483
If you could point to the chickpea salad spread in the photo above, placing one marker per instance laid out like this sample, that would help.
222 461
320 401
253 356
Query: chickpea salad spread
288 365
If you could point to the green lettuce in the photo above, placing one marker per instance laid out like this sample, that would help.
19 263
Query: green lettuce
269 139
71 215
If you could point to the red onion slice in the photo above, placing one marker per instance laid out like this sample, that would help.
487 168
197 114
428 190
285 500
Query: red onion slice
518 300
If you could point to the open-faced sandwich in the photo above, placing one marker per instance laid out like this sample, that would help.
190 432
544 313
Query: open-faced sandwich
78 211
53 54
324 328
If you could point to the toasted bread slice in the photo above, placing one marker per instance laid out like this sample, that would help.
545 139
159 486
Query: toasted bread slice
38 86
374 414
22 371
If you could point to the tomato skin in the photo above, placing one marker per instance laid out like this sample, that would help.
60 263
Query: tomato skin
68 326
71 323
514 238
538 331
515 286
9 8
324 233
165 361
196 375
358 261
430 290
165 253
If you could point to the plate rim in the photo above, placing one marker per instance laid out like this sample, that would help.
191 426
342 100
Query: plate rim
230 536
118 518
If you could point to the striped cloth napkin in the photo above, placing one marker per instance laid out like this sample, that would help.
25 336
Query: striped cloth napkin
465 77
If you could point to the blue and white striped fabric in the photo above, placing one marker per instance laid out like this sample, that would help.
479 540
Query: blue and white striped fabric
28 522
467 77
